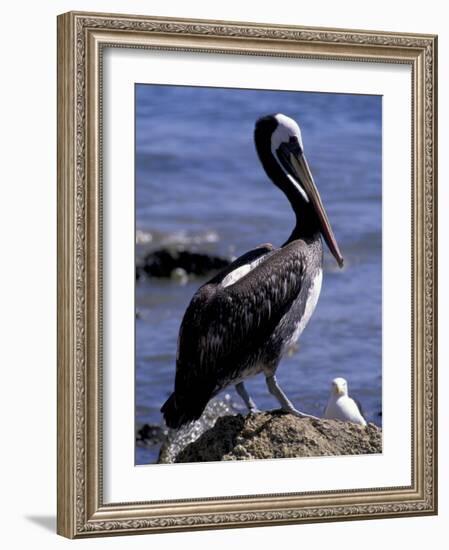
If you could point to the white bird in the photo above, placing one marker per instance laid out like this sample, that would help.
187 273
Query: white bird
341 406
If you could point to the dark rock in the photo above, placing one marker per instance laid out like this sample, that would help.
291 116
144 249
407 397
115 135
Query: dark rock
151 434
278 435
164 261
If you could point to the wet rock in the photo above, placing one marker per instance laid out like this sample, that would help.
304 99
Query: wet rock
177 440
279 435
151 434
171 261
179 275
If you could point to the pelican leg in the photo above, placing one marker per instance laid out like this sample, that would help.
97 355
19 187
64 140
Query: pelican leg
241 390
286 404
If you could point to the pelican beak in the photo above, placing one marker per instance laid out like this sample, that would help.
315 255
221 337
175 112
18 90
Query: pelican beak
302 173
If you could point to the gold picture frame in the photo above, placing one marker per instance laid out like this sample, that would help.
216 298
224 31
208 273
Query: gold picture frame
81 39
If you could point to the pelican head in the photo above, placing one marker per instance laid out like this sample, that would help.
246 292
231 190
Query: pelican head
339 387
280 148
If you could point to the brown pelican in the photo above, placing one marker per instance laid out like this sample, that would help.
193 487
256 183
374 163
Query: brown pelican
242 321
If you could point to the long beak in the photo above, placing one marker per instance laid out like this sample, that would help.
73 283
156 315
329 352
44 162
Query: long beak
302 173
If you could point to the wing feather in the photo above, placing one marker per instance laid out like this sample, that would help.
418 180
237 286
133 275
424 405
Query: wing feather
222 325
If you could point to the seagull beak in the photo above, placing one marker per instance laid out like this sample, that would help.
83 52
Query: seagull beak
338 390
301 171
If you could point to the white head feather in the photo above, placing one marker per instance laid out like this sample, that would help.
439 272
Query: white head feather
285 130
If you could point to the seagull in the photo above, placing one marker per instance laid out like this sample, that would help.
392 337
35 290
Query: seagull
341 406
242 322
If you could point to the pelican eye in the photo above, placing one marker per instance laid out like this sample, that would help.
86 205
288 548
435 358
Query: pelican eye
292 146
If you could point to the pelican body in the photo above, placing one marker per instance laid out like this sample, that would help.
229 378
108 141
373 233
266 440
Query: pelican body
241 322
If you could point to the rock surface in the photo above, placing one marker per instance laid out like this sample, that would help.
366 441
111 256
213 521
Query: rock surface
278 435
170 261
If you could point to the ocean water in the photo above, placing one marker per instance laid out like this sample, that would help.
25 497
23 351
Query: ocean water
199 182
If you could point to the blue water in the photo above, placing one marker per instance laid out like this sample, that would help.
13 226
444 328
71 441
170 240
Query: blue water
199 182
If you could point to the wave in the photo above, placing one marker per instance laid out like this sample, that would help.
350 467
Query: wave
181 237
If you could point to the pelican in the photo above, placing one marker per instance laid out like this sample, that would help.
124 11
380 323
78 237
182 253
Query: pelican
341 406
241 322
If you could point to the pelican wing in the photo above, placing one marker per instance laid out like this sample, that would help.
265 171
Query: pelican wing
224 323
251 257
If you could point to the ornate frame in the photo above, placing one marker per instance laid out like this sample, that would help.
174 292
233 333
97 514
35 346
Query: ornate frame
81 37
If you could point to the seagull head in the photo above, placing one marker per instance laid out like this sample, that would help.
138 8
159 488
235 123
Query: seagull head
339 387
